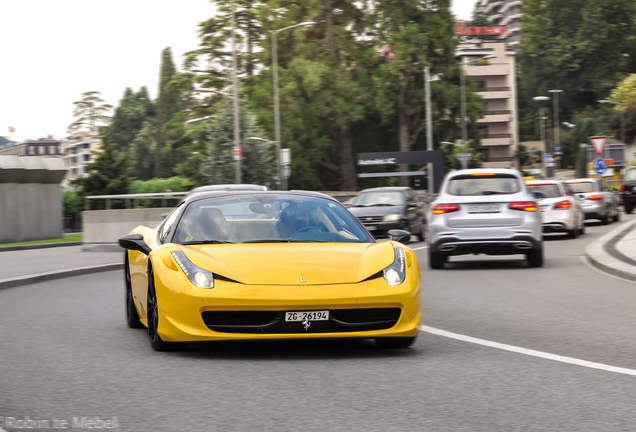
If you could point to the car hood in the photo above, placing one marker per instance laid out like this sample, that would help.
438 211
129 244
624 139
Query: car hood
288 263
376 210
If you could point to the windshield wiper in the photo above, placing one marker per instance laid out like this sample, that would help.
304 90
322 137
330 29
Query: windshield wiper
198 242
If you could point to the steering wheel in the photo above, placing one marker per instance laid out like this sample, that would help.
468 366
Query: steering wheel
309 228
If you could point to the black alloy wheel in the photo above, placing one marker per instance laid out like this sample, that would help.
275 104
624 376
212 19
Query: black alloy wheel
395 342
132 317
153 317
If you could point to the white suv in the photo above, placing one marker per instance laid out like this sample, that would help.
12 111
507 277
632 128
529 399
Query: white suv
484 211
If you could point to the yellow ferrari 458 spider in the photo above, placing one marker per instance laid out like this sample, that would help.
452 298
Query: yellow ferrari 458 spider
232 265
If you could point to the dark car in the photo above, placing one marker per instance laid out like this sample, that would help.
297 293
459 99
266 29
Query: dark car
386 208
628 189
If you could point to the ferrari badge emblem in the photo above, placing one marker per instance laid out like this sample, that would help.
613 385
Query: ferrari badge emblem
306 324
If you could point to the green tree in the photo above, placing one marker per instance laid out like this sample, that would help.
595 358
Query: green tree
169 103
419 34
91 112
577 46
141 163
258 165
107 175
133 111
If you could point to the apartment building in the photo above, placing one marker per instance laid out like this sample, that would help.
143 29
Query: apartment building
44 147
492 67
77 152
502 13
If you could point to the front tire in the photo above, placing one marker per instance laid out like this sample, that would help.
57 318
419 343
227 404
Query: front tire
132 317
395 342
617 216
153 317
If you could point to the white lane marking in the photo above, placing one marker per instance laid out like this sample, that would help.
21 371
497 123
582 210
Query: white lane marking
529 352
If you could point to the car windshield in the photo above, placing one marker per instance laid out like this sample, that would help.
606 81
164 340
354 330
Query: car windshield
267 218
483 184
630 175
378 198
550 190
582 187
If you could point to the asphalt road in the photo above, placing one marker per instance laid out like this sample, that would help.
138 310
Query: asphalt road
65 353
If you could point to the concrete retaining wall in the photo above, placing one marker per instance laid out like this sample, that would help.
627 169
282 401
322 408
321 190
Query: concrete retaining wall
30 198
106 226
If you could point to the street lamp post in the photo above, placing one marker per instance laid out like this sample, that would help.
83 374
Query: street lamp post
463 157
555 93
276 96
541 122
237 129
622 117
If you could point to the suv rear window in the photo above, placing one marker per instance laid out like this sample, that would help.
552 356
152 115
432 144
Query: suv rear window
550 190
483 184
582 187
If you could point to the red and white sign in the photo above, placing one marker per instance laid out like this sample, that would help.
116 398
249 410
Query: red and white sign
237 153
598 142
481 31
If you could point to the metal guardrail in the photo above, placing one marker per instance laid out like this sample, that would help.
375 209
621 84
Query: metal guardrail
149 199
135 199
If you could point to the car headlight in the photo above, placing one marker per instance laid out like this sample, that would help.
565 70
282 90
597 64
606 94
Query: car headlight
395 273
392 217
198 276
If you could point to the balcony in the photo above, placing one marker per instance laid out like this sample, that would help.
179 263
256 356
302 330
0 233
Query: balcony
509 4
496 139
490 6
496 93
493 69
501 116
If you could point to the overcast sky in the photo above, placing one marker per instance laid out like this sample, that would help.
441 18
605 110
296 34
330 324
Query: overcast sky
53 51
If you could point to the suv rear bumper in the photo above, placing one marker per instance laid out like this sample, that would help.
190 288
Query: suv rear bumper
514 245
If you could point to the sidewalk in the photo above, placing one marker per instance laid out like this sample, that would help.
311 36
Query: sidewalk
26 266
613 253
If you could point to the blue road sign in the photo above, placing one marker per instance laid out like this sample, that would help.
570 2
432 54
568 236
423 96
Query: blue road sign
600 166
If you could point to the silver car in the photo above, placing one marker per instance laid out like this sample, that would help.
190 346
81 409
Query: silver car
484 211
597 201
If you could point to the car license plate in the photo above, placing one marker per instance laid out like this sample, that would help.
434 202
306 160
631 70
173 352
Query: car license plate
484 209
545 207
308 315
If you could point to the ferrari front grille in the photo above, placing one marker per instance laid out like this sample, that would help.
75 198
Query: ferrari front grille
273 322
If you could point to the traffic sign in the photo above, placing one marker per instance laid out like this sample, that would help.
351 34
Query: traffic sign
237 153
598 142
464 158
600 166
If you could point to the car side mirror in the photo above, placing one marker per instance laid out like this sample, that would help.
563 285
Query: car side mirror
134 242
539 195
400 236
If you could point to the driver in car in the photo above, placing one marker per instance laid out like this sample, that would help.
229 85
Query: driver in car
293 218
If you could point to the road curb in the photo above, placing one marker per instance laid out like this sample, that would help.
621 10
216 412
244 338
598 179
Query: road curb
58 274
39 246
603 254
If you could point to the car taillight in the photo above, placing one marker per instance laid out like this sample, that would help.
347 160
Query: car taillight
445 208
528 206
594 197
622 188
563 205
